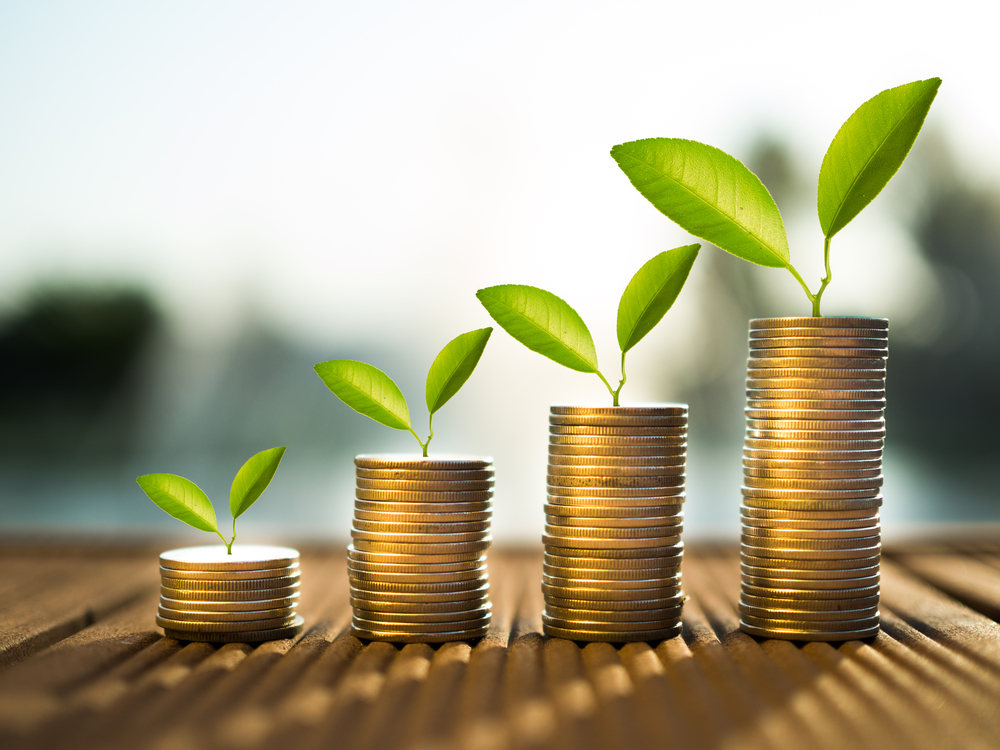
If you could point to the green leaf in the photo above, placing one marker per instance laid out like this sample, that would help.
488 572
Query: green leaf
708 193
651 292
181 498
367 390
868 150
542 322
453 366
252 479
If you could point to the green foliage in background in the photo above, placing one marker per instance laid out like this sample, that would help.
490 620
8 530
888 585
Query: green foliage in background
546 324
371 392
714 196
187 502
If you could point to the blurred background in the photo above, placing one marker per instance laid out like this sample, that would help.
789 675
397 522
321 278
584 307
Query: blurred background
198 201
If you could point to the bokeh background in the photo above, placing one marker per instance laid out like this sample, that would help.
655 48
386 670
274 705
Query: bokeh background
198 201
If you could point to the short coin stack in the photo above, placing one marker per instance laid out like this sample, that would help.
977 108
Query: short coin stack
812 476
248 596
417 563
613 522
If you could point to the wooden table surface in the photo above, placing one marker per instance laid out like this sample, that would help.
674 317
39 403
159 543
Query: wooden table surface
82 665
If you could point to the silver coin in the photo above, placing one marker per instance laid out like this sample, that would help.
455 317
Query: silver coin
651 410
411 564
398 637
196 626
476 613
419 596
611 636
418 463
823 619
224 585
406 485
243 557
824 323
620 422
424 475
638 619
230 575
216 605
792 634
416 628
250 636
452 607
601 625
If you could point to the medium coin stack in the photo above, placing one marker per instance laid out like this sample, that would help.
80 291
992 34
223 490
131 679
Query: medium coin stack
613 523
417 563
812 477
248 596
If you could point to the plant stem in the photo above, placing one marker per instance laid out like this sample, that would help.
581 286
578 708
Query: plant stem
812 297
229 544
825 281
612 391
621 383
424 443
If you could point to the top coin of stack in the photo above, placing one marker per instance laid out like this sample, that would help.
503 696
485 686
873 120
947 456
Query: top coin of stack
613 522
812 468
417 563
248 596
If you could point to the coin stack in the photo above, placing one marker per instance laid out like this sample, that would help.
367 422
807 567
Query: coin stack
812 476
417 563
248 596
613 523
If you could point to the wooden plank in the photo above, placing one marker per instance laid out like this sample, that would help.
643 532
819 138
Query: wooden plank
966 578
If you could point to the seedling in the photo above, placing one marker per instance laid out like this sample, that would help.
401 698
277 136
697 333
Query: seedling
187 502
714 196
546 324
368 390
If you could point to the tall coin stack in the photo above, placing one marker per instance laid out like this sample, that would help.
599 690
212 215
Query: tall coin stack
209 595
612 567
812 475
417 563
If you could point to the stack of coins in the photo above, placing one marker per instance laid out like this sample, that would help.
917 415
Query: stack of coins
613 523
417 564
812 476
248 596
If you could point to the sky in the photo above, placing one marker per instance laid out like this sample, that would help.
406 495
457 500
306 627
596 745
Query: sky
350 173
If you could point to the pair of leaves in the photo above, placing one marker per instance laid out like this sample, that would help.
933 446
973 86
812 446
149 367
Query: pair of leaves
714 196
187 502
548 325
371 392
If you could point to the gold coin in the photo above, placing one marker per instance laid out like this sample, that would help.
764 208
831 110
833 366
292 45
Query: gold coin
229 575
809 568
427 547
649 484
824 618
780 405
612 511
787 423
598 543
376 562
789 454
251 636
402 496
789 533
763 365
451 606
814 524
666 573
415 553
448 528
215 605
194 626
801 494
559 555
575 580
807 515
364 576
871 484
617 470
809 595
620 442
405 518
604 625
825 449
417 628
610 636
765 417
863 553
657 522
775 470
775 349
418 537
616 432
801 544
665 503
819 387
379 506
167 578
824 323
765 393
791 634
619 493
214 557
638 619
425 475
635 565
418 596
809 505
374 589
596 463
230 595
618 423
830 346
664 533
654 410
637 453
401 485
778 585
479 613
397 637
417 463
247 617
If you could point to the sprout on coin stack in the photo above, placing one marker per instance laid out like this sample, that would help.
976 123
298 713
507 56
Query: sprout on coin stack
231 593
417 562
616 473
815 386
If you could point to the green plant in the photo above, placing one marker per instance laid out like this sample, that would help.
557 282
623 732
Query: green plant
371 392
185 501
714 196
546 324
